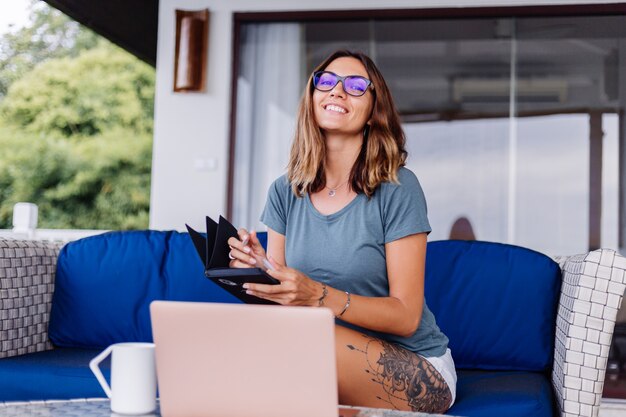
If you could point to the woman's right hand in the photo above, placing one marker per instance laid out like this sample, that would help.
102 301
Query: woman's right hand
247 251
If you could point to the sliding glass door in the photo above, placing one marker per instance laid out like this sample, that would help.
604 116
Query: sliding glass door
514 125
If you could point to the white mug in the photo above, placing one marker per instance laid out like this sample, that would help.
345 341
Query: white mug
133 377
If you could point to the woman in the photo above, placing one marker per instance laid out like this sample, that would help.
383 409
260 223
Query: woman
347 231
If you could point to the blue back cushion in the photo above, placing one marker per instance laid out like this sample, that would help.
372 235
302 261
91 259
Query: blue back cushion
262 236
497 303
105 283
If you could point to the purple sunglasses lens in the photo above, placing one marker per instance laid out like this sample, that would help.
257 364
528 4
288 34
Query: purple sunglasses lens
325 81
355 85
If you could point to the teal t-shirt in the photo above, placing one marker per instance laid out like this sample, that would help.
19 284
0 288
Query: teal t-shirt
346 249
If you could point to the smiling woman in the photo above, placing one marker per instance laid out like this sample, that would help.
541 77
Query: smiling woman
346 119
349 141
342 110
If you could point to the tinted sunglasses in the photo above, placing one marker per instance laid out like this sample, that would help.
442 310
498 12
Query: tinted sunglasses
355 85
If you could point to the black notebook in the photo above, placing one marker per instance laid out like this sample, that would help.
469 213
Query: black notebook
213 251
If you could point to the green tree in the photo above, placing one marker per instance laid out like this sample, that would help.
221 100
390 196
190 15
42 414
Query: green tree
100 182
75 126
100 89
50 34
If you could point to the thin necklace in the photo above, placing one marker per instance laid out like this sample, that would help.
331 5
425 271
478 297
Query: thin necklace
333 191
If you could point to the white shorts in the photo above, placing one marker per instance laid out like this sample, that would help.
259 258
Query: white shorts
445 366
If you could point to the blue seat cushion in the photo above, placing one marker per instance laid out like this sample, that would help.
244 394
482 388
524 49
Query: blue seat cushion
55 374
105 284
502 393
497 303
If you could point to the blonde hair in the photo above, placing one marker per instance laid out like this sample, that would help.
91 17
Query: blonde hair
382 153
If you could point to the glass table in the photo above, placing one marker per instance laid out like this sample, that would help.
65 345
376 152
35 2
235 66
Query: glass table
100 407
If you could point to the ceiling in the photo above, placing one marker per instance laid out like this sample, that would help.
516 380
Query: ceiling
130 24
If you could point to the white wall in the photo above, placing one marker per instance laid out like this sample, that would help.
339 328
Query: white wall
193 128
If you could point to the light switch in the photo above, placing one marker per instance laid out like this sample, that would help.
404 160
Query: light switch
205 164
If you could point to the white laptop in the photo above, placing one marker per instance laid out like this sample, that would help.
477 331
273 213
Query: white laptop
243 360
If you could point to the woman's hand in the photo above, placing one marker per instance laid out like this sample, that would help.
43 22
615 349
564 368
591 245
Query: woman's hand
295 289
247 251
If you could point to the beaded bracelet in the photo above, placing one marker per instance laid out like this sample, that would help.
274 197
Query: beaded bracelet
345 307
324 294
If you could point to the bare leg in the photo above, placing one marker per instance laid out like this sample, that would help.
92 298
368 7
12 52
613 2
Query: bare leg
375 373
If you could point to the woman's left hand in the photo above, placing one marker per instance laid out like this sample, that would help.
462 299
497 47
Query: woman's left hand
295 289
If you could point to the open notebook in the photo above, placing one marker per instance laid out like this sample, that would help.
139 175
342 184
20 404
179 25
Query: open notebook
213 251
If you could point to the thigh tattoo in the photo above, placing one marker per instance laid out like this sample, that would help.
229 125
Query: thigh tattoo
406 377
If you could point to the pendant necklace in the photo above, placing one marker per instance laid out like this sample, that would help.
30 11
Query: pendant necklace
333 191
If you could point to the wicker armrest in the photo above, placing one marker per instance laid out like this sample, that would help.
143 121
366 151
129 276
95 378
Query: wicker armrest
27 271
591 294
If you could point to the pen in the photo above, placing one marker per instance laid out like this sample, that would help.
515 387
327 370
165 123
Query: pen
266 263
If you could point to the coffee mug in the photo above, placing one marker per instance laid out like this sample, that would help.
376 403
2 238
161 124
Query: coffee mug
133 377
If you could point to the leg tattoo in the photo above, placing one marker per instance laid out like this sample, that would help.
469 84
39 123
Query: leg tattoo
407 378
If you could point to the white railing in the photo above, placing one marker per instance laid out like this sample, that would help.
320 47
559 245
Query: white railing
25 217
54 235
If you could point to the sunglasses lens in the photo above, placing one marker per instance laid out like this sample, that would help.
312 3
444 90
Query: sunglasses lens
324 81
356 86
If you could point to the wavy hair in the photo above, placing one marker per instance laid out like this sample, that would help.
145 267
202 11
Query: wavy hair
382 152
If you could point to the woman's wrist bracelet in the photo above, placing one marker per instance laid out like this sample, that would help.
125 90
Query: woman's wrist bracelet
344 307
320 301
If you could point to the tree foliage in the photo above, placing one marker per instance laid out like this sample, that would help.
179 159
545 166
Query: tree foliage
50 34
75 126
97 90
98 182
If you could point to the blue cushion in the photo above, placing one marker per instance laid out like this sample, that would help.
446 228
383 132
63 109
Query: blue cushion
262 236
105 284
55 374
499 393
497 303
